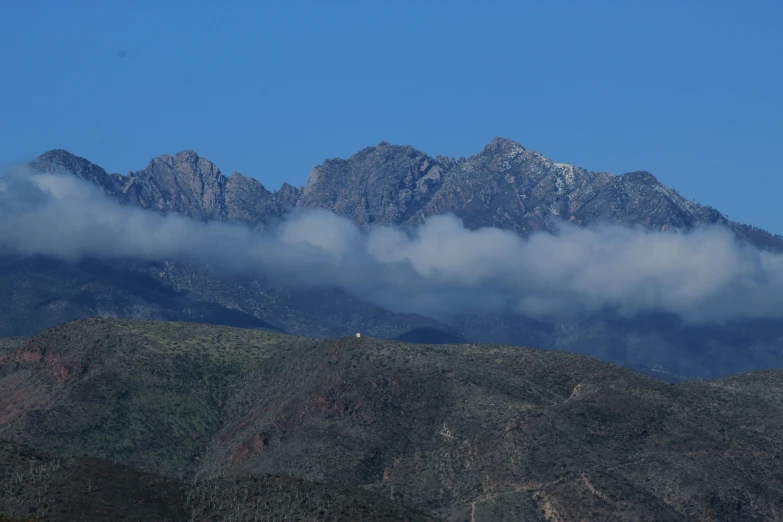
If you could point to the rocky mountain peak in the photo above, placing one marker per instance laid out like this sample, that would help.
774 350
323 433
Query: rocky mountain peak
183 165
185 183
60 160
501 145
187 154
61 157
289 193
382 152
377 184
641 176
237 179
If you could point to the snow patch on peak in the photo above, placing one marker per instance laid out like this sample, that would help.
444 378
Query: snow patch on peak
567 171
515 150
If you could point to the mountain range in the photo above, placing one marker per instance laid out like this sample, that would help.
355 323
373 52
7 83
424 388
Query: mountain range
504 186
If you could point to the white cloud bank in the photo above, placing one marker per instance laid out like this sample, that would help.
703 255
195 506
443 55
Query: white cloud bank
438 269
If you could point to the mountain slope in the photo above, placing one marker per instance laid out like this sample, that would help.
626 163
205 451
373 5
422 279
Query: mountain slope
493 432
320 312
41 292
662 345
53 488
9 343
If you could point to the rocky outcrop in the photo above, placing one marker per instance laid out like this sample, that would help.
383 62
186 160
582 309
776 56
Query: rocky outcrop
184 183
191 185
382 184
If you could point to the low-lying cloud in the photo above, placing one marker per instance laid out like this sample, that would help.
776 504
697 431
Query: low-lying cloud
437 269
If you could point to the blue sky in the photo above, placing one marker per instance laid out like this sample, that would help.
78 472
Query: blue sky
691 91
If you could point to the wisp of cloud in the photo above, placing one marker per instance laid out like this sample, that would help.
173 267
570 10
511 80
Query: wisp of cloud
438 269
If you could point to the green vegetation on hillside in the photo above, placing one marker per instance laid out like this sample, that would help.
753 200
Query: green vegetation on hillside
148 394
456 431
36 487
8 344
